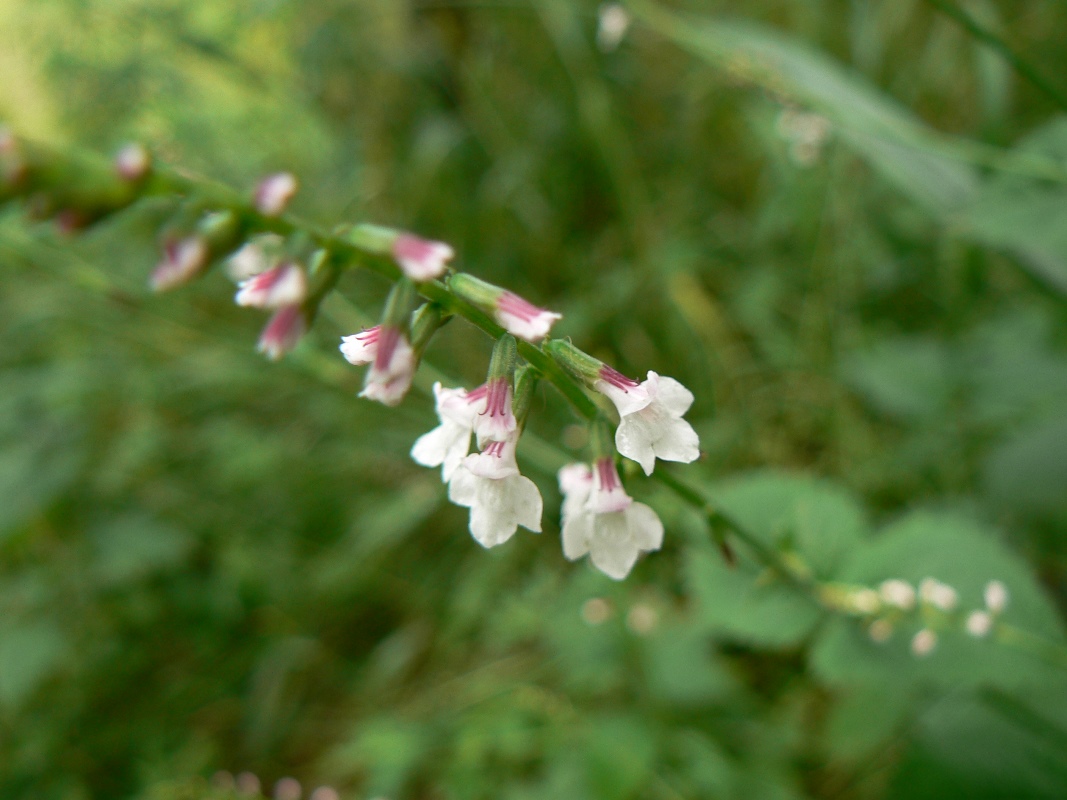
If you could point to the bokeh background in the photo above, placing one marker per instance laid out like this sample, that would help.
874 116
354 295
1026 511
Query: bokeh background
841 224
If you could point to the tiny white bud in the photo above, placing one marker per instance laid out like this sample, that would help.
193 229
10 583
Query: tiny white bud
896 592
938 594
132 162
287 789
642 619
614 21
248 783
923 643
865 601
880 630
596 611
996 596
223 779
325 793
979 623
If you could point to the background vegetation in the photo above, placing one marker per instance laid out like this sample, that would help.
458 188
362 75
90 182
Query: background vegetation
208 562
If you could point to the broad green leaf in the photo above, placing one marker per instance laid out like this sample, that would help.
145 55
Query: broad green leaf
902 377
1027 473
30 653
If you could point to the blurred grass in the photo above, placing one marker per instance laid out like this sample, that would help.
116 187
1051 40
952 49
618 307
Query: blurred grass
208 562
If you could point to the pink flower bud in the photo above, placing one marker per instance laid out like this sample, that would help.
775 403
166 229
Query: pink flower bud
361 348
421 259
183 260
522 318
497 422
608 495
284 285
133 162
283 331
274 193
392 369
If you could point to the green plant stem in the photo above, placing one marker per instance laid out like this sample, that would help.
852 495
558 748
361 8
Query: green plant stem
1021 65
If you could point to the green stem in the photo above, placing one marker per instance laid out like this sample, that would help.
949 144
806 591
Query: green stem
1025 69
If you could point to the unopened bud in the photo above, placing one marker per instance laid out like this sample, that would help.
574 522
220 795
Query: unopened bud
880 630
133 162
996 597
898 593
283 332
514 314
576 362
287 789
183 259
979 623
274 192
923 643
938 594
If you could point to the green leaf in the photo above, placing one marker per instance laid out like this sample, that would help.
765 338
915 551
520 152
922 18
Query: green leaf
133 547
1027 473
30 653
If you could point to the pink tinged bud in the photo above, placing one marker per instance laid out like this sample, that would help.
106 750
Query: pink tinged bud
497 422
183 260
283 331
392 370
285 285
274 193
133 162
523 319
288 789
421 259
608 494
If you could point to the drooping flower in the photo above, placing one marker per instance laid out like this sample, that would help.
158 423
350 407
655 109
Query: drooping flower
500 499
600 519
183 259
283 331
651 413
274 192
449 443
283 285
421 259
392 361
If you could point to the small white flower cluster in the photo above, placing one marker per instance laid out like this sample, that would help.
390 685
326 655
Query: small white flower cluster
286 276
936 604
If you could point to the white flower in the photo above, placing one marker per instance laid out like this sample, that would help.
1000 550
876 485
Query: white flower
283 331
421 259
651 423
600 519
284 285
523 319
500 499
392 361
448 444
361 348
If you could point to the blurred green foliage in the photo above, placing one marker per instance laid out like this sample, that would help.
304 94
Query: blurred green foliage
211 563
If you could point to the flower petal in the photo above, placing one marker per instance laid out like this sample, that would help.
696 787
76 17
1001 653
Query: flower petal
674 397
645 527
633 439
